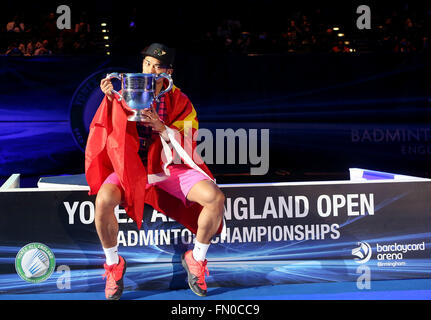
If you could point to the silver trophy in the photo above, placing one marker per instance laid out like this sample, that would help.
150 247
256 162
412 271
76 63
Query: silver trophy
138 91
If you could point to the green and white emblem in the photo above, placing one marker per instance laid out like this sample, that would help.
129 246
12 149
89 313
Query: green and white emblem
35 262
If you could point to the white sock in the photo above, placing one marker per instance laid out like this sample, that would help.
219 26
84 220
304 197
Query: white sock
200 251
111 255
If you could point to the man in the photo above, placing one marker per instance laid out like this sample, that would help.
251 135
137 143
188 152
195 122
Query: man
140 171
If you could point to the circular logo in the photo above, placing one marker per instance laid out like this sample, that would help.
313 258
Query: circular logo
35 262
362 253
85 101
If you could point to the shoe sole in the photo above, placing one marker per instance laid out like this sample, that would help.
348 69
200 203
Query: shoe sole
183 262
119 293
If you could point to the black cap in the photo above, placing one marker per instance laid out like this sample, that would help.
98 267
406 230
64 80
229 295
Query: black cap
161 52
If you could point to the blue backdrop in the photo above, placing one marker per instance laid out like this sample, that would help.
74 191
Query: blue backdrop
325 112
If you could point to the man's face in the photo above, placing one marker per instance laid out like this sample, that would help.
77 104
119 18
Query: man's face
152 65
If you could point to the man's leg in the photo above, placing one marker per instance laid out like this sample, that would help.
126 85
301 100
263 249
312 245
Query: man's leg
210 197
108 197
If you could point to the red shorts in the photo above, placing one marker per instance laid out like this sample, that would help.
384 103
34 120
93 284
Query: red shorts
178 184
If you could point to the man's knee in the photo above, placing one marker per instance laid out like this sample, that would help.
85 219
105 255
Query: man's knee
214 197
219 197
108 197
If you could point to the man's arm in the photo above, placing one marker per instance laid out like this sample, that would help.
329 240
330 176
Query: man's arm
107 87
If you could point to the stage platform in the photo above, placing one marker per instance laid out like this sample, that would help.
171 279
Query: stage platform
367 238
414 289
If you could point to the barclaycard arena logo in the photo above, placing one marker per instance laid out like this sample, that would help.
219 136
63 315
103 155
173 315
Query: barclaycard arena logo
394 254
35 262
362 253
387 255
83 106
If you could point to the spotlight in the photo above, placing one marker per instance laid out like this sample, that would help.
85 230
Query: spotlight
340 35
103 24
106 37
335 28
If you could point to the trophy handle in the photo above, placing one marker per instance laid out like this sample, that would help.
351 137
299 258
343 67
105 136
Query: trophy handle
117 76
171 83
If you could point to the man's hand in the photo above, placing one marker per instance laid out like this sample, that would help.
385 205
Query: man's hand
152 120
106 87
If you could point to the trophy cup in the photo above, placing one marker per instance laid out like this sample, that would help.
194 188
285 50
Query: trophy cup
138 91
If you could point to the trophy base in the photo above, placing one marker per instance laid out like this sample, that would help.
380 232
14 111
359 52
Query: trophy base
138 116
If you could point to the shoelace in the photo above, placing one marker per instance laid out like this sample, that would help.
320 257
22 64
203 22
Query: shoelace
111 284
203 271
112 273
108 272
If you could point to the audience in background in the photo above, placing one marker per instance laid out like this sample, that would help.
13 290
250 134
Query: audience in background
400 32
16 25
